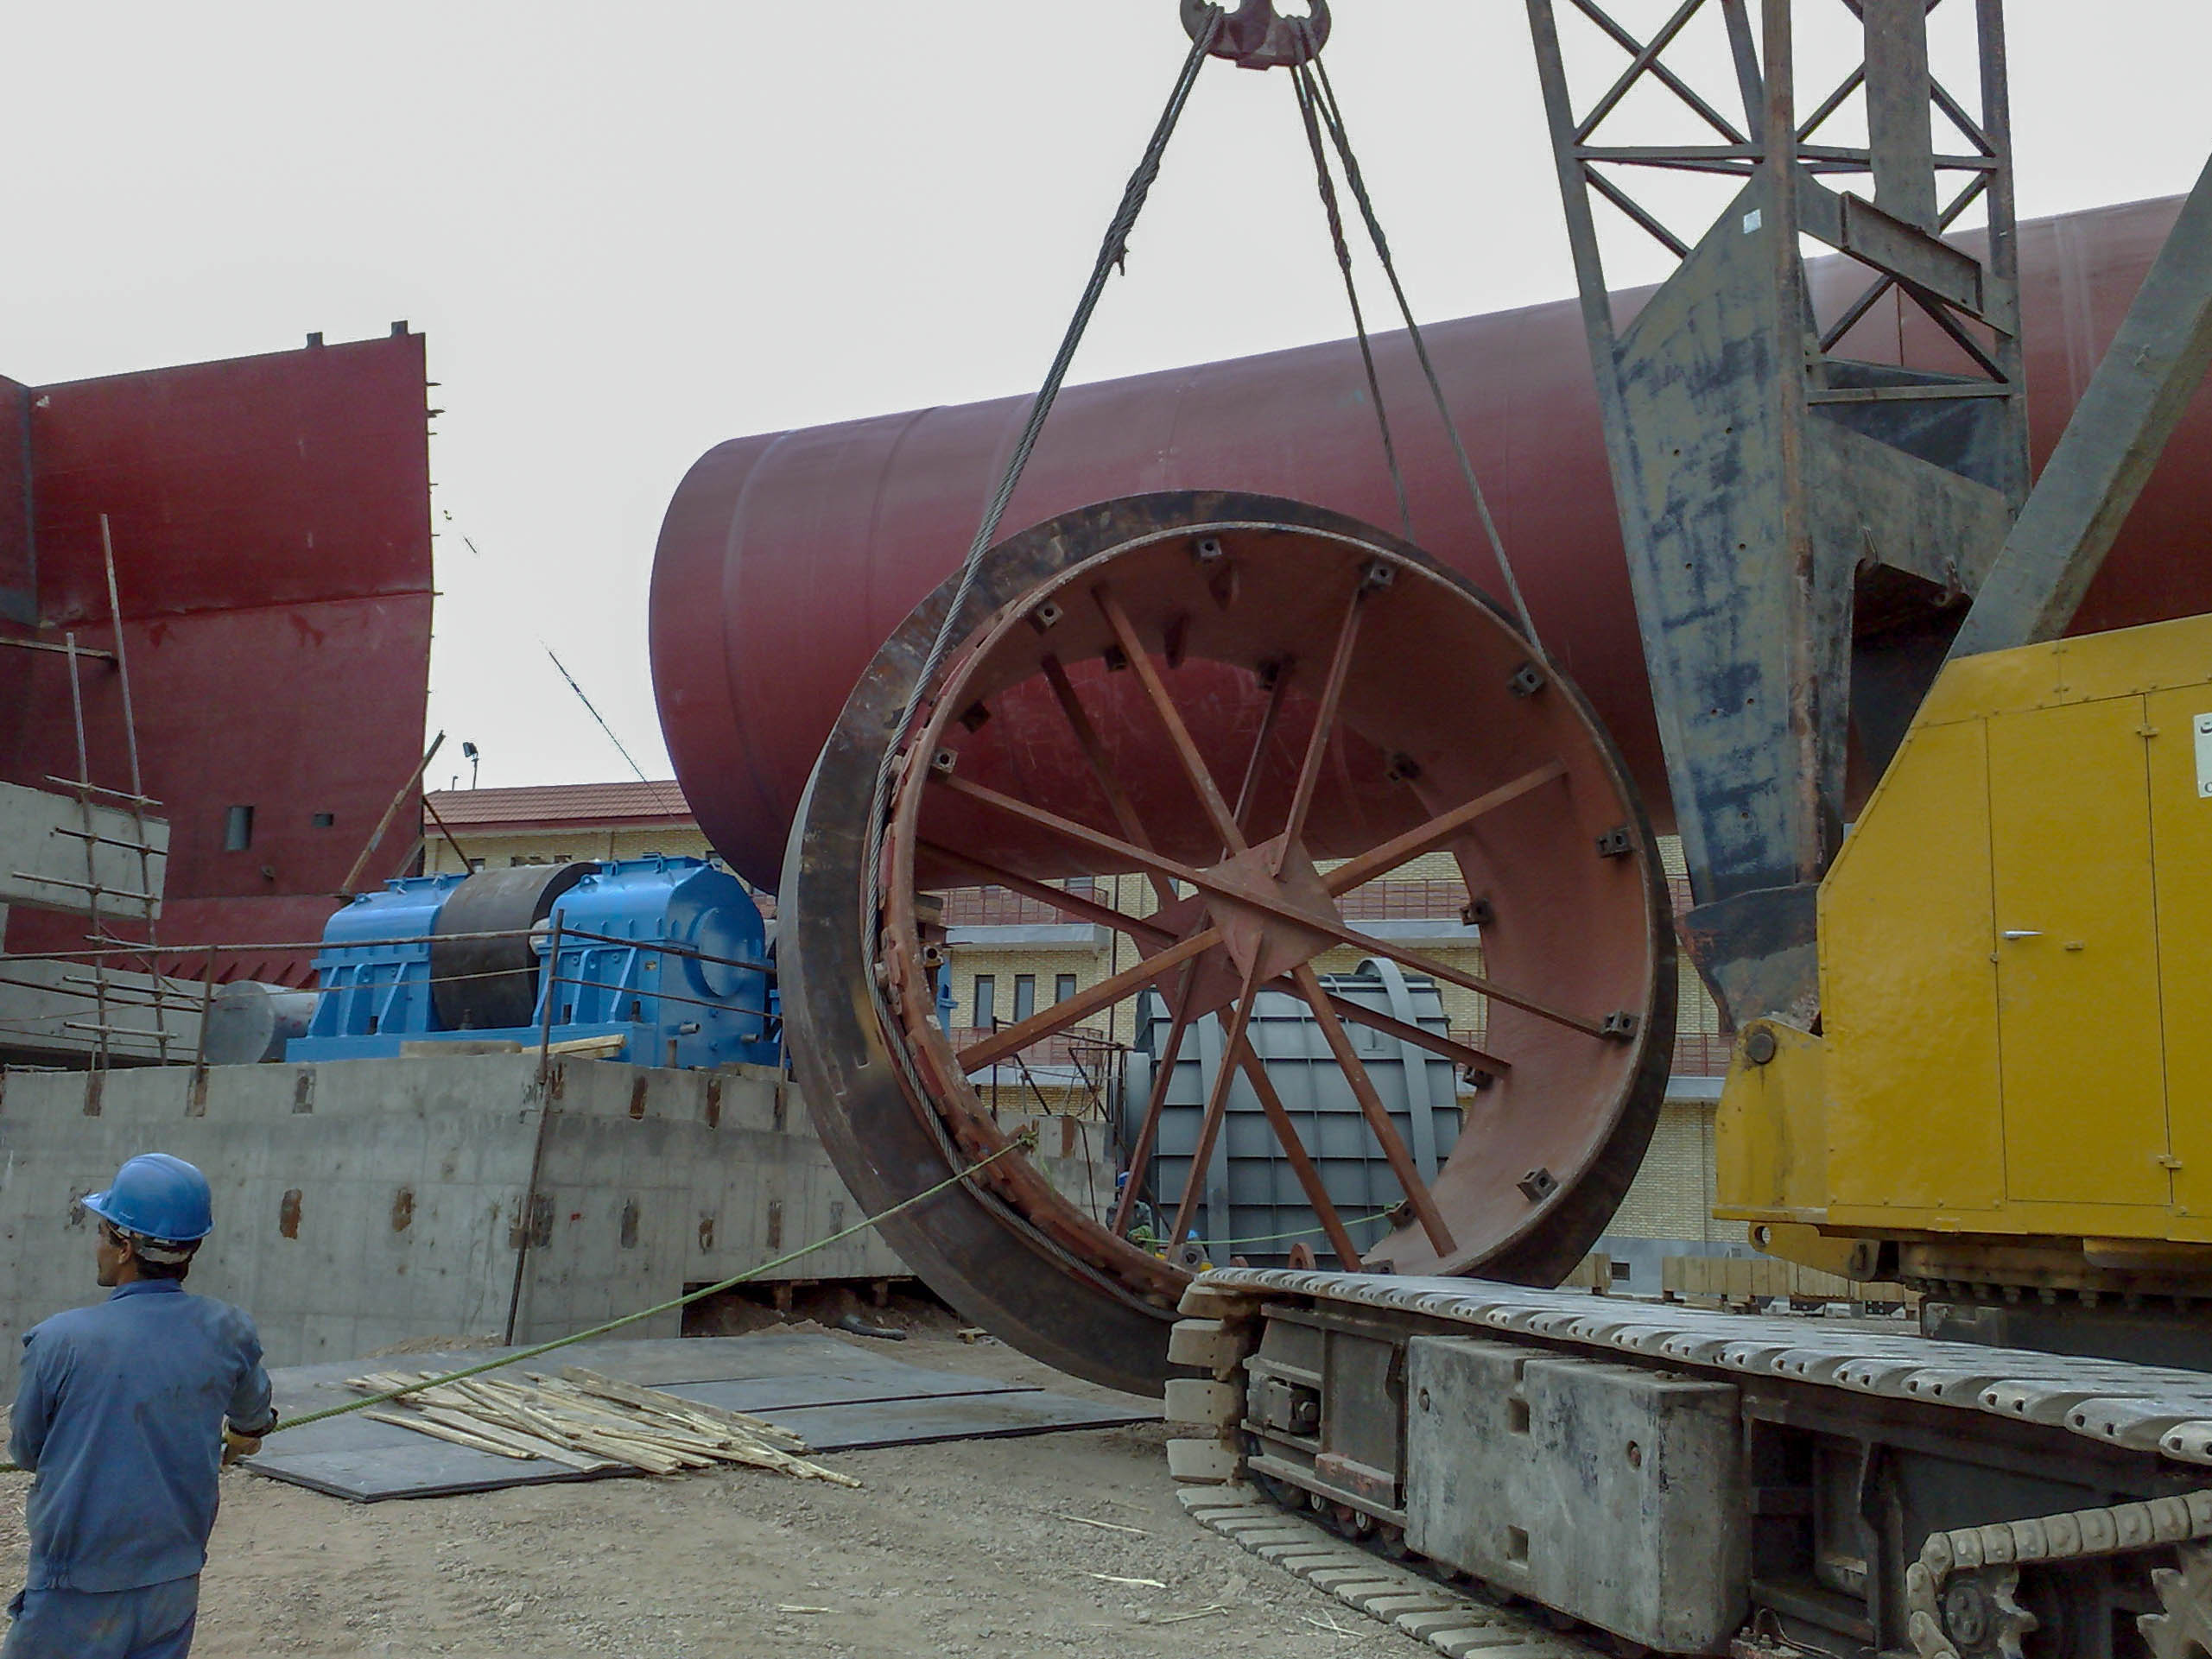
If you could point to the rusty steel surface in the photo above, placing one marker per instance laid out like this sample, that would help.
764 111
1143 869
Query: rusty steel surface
1251 690
1798 524
787 559
271 520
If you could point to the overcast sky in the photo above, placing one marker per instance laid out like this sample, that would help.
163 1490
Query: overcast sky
631 231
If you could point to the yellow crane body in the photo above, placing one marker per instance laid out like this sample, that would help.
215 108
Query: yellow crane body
2012 1076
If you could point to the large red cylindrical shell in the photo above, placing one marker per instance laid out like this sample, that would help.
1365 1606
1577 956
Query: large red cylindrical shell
787 559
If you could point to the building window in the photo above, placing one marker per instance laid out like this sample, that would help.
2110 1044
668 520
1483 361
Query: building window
1063 987
238 829
986 999
1025 996
1086 885
475 864
325 820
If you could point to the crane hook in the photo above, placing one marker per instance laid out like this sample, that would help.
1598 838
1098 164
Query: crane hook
1256 37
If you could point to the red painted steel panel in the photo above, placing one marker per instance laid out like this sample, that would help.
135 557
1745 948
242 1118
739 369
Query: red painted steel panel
272 533
289 478
786 560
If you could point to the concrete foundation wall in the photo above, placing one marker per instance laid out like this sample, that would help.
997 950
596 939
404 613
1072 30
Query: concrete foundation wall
362 1203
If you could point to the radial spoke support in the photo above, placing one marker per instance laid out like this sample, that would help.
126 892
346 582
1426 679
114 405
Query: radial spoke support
1206 882
1372 1108
1108 991
1458 1052
1422 962
1248 792
1113 847
1155 689
1217 1102
1295 1154
1377 862
1071 904
1086 739
1332 694
1140 1154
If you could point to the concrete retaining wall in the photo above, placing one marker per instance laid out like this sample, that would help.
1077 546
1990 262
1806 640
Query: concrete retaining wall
362 1203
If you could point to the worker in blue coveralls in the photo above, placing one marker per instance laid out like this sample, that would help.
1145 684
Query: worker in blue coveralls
126 1412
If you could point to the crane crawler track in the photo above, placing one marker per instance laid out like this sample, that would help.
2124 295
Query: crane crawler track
1947 1499
2144 1408
1448 1619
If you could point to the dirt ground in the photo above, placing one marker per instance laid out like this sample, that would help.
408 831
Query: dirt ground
972 1548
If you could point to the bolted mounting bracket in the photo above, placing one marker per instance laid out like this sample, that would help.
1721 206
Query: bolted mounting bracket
1256 37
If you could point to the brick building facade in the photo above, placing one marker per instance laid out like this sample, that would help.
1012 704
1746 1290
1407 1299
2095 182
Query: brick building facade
557 823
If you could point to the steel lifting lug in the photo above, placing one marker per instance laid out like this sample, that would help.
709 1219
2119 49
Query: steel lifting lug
1256 37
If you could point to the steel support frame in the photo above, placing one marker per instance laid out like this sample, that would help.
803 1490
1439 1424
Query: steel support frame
1799 525
2105 455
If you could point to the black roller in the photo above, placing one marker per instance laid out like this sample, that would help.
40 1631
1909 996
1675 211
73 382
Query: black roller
491 985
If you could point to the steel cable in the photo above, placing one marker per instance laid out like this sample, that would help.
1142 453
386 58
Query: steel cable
1113 250
1323 98
1302 87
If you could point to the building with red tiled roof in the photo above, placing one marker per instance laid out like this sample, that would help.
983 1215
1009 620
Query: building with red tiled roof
557 823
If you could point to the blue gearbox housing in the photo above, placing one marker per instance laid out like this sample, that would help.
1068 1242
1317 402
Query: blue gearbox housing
670 955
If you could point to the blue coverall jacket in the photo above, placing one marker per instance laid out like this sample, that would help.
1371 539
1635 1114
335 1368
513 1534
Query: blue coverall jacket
120 1413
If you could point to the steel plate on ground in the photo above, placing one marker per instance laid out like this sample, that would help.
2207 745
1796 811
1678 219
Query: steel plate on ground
859 1425
836 1395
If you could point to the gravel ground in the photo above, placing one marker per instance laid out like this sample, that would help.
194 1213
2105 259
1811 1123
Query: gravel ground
974 1548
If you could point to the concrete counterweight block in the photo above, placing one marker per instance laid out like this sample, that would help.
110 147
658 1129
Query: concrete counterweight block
1610 1493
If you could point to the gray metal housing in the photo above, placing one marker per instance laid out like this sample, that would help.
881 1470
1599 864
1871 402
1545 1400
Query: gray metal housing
1253 1208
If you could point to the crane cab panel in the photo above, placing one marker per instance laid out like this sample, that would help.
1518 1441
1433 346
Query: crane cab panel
2181 841
2078 1022
2016 964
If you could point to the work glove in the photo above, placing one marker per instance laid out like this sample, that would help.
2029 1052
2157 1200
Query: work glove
237 1446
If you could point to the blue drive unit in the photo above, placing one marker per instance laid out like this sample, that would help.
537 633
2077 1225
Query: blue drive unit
373 972
667 954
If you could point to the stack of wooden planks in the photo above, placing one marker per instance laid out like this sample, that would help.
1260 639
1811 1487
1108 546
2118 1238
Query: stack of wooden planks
588 1423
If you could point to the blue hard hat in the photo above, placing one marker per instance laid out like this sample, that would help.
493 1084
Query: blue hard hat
158 1197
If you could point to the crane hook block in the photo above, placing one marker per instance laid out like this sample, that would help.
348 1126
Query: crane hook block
1256 37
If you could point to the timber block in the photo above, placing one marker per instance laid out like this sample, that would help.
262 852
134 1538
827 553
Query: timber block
1214 1462
1193 1400
1216 1301
1207 1344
